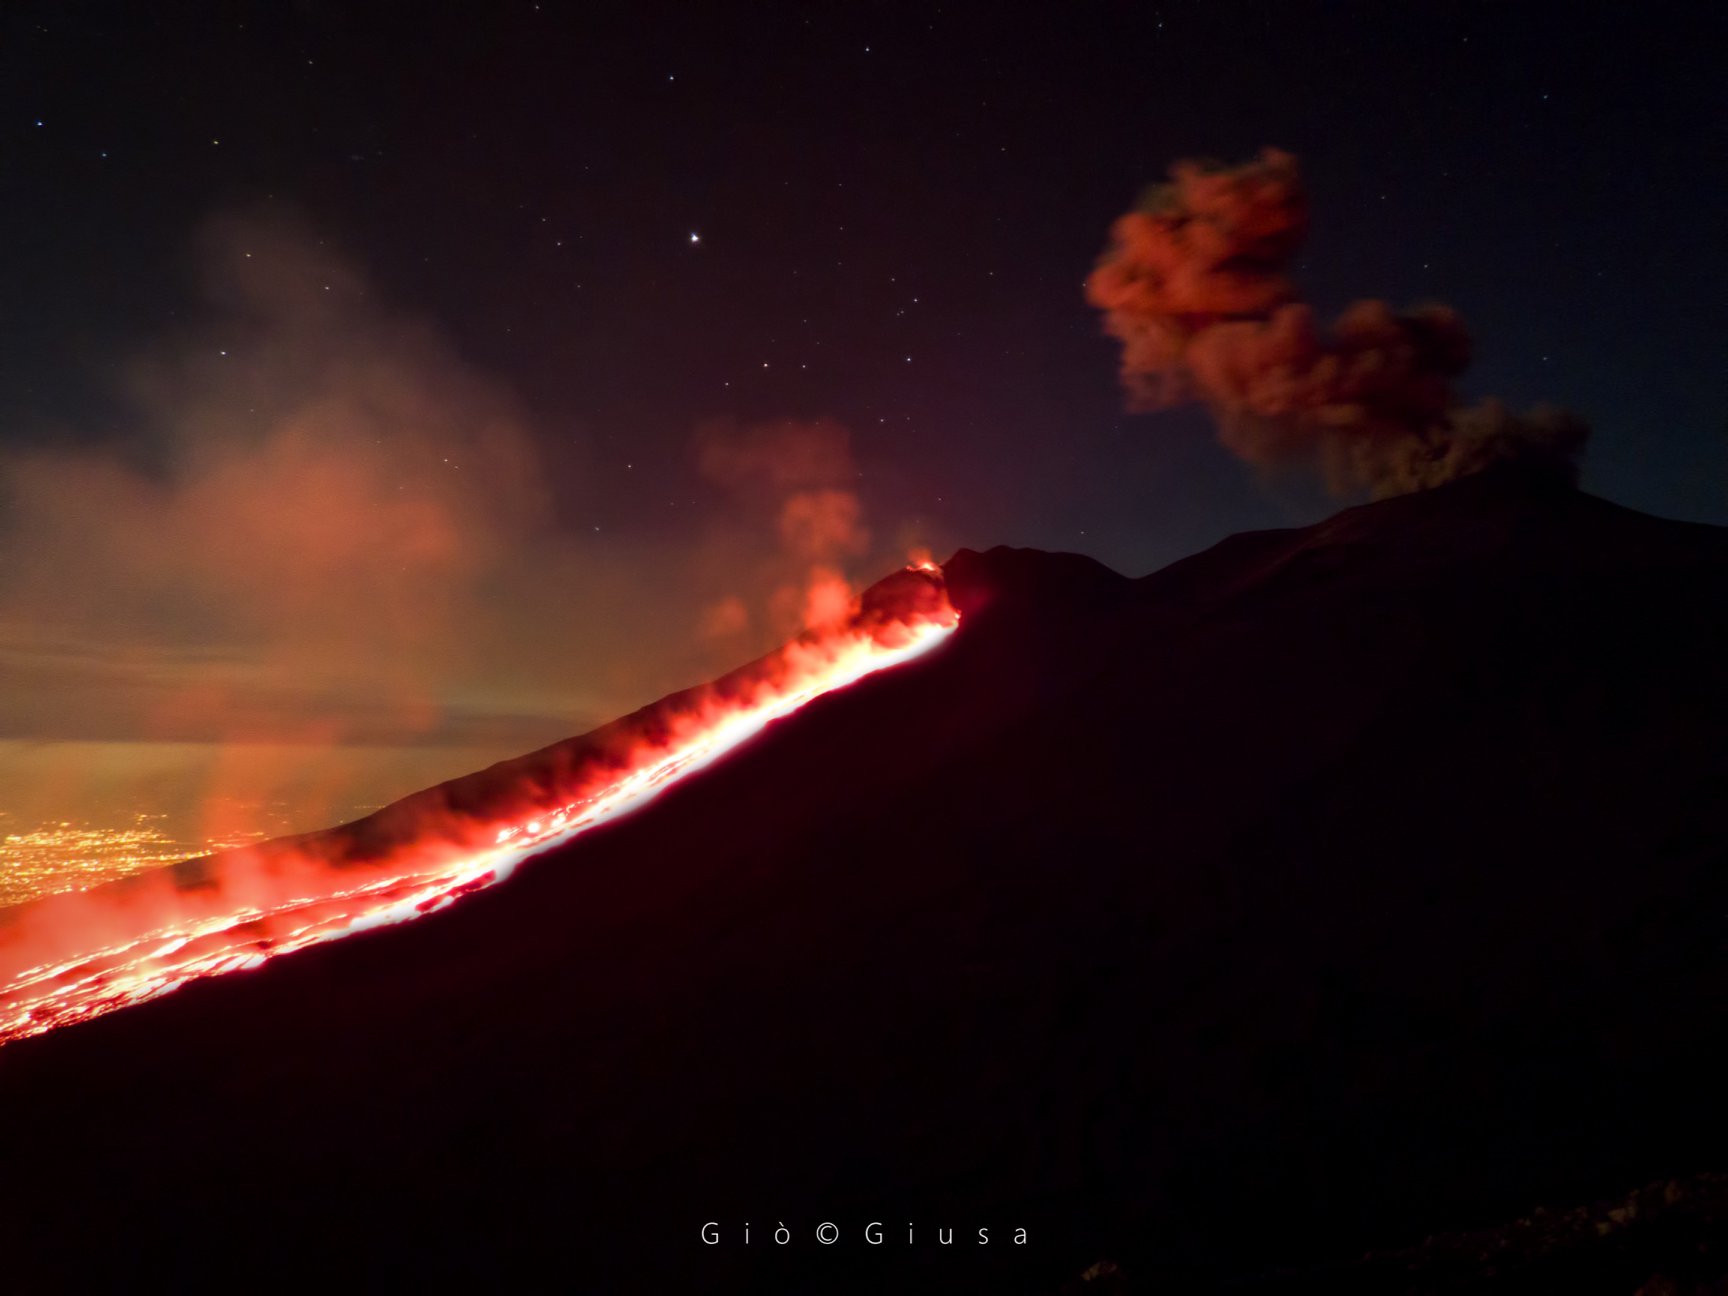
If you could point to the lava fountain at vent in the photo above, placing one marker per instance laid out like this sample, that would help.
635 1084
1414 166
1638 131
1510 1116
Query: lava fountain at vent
70 958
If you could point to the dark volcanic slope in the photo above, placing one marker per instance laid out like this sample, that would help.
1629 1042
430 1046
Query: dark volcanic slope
1327 890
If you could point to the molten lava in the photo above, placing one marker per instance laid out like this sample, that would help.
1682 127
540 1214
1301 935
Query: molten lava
88 955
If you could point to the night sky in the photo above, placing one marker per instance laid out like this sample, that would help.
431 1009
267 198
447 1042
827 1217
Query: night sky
390 375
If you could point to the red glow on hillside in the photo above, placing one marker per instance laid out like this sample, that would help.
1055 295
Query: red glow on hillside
75 957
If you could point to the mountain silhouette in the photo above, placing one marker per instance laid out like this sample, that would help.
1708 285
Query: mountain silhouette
1328 890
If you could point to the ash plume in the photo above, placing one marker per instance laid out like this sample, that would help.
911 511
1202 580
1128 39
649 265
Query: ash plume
1195 284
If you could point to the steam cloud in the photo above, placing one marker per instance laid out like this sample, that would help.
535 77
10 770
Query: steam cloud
1195 285
803 472
315 486
313 526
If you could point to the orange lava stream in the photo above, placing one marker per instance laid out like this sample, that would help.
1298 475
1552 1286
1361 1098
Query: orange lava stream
96 977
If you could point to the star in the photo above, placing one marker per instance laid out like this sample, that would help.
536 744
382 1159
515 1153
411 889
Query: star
695 237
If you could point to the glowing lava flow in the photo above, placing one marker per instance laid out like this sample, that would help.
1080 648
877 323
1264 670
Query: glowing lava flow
135 958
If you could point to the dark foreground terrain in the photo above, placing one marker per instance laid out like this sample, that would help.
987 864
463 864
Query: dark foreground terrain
1356 888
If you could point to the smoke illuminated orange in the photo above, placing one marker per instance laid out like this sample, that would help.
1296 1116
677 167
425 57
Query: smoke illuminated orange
101 956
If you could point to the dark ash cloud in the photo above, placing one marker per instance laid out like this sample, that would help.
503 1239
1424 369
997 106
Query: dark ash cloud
1196 287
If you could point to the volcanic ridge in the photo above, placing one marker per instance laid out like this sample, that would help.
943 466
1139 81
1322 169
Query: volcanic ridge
1325 892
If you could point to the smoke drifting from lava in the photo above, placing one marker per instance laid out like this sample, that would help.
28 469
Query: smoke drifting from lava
802 472
316 486
1195 285
313 524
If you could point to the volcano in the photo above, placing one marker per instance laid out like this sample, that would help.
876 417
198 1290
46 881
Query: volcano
1327 891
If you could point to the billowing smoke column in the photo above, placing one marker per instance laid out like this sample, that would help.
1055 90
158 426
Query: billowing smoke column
1195 284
